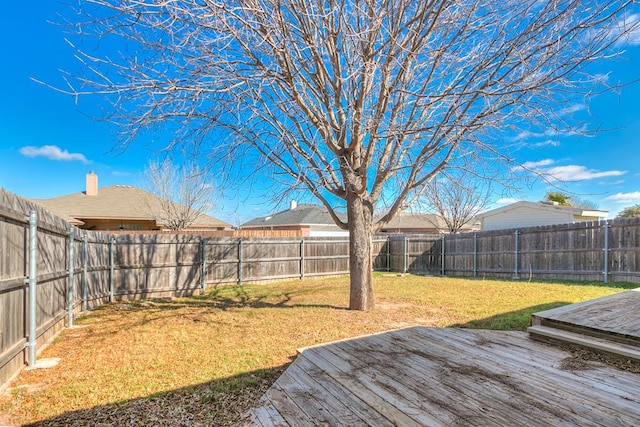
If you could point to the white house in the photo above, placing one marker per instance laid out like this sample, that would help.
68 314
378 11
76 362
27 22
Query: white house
532 214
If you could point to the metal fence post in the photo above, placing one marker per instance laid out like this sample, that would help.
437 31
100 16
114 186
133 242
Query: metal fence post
112 243
442 257
203 266
33 281
302 259
72 236
405 258
606 252
240 261
85 263
515 254
475 254
388 253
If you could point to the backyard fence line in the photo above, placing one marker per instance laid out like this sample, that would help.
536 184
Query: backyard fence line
593 251
76 270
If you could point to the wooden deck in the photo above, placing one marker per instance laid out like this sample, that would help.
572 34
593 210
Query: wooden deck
447 377
616 316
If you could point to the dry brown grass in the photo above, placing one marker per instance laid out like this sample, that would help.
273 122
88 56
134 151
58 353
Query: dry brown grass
205 360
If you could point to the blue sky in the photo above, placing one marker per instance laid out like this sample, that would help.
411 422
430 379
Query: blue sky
48 142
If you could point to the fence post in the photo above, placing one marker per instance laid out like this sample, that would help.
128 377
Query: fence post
33 281
606 252
302 259
515 263
442 257
112 243
405 258
475 254
240 261
85 263
388 253
203 265
72 236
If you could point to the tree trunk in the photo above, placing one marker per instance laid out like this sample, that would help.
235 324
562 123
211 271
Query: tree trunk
360 267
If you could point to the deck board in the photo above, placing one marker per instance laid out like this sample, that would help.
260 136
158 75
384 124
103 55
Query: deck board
617 313
431 376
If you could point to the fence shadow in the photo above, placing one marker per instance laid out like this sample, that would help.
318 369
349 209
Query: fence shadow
218 402
516 320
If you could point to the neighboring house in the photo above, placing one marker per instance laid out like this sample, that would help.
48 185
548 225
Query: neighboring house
304 219
117 207
406 222
532 214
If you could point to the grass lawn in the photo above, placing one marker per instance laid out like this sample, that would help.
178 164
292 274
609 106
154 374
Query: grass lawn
205 360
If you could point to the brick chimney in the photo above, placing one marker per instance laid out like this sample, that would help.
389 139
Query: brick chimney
92 184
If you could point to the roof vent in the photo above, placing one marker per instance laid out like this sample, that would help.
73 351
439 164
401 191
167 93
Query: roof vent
293 205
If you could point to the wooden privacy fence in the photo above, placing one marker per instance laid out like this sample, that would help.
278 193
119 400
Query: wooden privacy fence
256 260
602 250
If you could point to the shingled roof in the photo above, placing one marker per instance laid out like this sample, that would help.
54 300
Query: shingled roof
302 214
416 221
123 202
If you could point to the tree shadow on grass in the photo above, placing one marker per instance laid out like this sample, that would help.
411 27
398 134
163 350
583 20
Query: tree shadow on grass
222 402
216 299
517 320
223 299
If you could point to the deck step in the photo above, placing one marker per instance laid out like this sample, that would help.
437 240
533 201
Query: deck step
545 333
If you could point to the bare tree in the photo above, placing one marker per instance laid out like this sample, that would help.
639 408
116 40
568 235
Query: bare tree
363 101
178 194
456 198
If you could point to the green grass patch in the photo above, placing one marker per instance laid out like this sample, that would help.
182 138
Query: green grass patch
205 360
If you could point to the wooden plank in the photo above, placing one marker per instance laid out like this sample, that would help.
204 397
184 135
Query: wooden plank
470 394
379 396
361 408
434 380
583 394
519 400
319 403
614 313
266 415
289 409
520 351
429 381
607 346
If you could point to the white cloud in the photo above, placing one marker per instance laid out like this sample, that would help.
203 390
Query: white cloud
578 173
633 197
566 173
628 28
545 144
554 133
52 152
572 109
526 134
538 164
